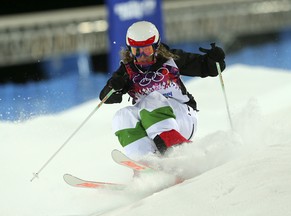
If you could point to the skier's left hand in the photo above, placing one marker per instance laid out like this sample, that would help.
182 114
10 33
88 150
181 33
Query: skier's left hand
215 53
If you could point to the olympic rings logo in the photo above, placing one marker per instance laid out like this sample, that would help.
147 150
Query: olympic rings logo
155 76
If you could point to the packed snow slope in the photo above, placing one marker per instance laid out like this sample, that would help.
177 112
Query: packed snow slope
245 172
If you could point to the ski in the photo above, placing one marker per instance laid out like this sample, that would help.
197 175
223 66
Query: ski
122 159
119 158
77 182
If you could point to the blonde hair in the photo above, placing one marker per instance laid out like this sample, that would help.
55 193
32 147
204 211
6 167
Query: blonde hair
162 52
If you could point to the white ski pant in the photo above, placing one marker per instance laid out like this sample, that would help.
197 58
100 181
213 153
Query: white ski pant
136 126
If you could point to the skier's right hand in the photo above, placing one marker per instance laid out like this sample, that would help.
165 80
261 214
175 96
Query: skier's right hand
117 83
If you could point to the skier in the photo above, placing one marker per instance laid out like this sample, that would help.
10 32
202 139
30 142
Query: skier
164 113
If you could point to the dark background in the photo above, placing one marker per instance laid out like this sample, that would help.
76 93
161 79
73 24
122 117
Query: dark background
10 7
22 73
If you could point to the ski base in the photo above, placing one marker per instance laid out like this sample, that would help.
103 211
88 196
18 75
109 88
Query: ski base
123 160
77 182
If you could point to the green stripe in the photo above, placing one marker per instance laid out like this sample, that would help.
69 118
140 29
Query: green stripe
150 118
129 135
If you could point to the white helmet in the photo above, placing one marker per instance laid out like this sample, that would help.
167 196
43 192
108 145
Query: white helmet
142 33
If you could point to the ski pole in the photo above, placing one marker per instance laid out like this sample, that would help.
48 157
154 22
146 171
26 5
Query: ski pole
36 175
223 90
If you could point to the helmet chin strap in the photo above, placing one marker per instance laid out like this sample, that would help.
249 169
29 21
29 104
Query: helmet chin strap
145 64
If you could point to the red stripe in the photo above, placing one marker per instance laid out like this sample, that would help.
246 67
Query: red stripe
173 137
147 42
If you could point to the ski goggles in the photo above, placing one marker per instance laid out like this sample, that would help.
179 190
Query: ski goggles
139 51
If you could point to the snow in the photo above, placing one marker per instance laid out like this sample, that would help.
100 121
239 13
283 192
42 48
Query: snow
246 172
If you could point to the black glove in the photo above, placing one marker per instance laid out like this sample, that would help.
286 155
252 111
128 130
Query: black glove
117 83
215 53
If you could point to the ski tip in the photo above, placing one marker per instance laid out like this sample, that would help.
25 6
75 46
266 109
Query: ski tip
115 152
66 177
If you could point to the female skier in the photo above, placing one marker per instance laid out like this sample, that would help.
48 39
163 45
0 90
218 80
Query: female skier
163 112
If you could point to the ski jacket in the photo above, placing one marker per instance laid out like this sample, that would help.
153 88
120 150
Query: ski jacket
163 76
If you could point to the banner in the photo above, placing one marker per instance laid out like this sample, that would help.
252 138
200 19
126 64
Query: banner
121 15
